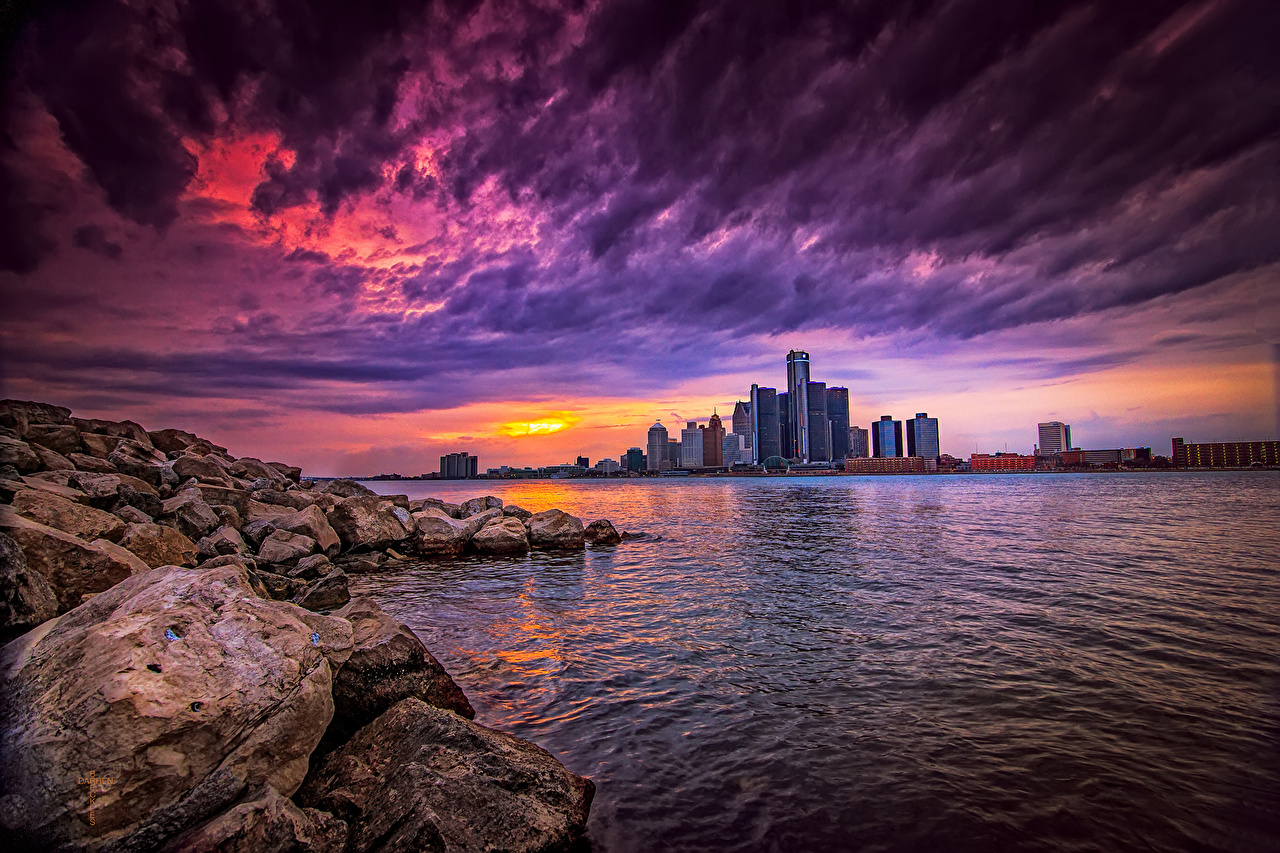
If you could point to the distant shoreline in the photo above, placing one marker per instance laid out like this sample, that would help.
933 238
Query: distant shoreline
806 475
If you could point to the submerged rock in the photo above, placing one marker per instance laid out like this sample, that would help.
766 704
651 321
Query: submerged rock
325 593
419 778
602 532
555 529
505 536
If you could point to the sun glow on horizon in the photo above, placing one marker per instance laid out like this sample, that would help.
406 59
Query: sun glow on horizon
549 424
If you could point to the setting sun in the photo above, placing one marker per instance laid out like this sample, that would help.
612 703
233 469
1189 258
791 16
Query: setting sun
552 423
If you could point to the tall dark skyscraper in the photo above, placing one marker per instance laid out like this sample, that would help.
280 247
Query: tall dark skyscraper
798 402
786 438
713 442
859 443
922 436
742 421
819 427
657 444
886 437
766 438
635 459
838 415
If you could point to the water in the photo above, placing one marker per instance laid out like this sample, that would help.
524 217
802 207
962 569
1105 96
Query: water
1058 663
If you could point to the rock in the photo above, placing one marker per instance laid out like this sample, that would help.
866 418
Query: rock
477 505
60 438
269 823
132 515
310 568
401 501
601 532
85 462
367 522
147 501
70 566
123 429
69 517
157 545
244 561
224 540
208 467
19 414
313 523
419 778
99 446
552 529
248 468
227 496
259 511
256 531
181 686
296 499
187 512
360 564
285 548
290 472
277 586
142 461
104 489
25 597
439 534
50 460
325 593
172 440
388 663
346 489
505 536
45 487
227 516
519 512
18 454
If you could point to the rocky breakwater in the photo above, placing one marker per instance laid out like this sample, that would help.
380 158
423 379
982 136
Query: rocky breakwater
185 668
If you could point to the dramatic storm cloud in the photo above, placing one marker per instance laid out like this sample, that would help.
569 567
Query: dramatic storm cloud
390 211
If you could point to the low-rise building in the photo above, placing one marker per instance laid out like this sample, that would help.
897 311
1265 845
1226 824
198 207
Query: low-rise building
885 465
1225 454
1001 462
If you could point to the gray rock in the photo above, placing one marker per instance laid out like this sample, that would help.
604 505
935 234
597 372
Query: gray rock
142 461
34 482
193 689
501 536
388 663
25 597
18 454
157 545
439 534
296 499
188 512
554 529
227 516
223 541
248 468
147 501
254 532
68 516
132 515
60 438
478 505
268 823
513 511
310 568
360 564
367 522
103 490
601 532
325 593
346 489
278 586
419 778
311 522
227 496
285 548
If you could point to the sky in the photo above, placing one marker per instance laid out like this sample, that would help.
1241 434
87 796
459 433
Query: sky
356 236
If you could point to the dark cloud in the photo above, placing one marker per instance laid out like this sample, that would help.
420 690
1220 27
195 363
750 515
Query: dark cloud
93 238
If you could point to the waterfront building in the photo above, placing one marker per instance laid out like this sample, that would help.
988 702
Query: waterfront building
1225 454
742 420
1055 437
657 447
691 446
765 438
798 402
583 461
885 465
886 437
1001 462
859 443
673 454
713 442
786 440
607 465
459 466
635 459
819 427
838 418
733 449
922 437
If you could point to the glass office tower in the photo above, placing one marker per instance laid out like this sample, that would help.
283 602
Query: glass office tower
766 437
798 402
886 437
922 437
838 416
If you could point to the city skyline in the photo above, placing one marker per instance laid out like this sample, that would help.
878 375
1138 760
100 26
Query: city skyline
363 241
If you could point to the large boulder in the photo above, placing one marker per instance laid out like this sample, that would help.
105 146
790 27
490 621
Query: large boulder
226 540
268 823
504 536
325 593
172 440
18 415
68 516
85 462
204 468
104 490
439 534
602 532
157 545
517 512
99 446
311 522
553 528
181 689
346 489
50 460
419 778
478 505
18 454
142 461
294 499
25 597
188 512
248 468
71 566
130 430
212 494
367 522
290 472
12 487
60 438
285 548
388 663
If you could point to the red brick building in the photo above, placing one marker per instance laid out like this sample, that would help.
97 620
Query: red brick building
984 462
885 465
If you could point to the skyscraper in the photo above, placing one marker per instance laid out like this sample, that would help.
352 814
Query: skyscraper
1055 437
798 400
786 438
734 449
742 420
713 442
657 447
922 437
819 427
765 437
691 447
859 443
886 437
635 459
838 415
